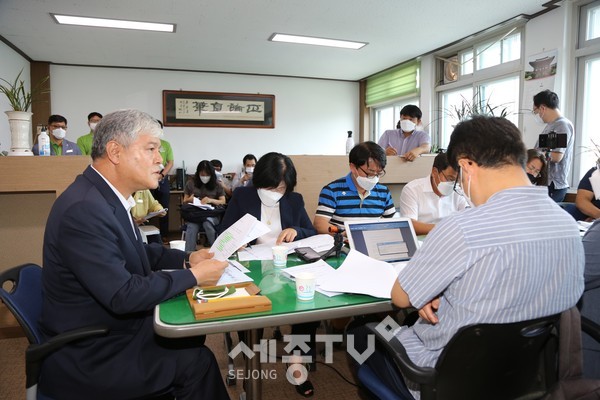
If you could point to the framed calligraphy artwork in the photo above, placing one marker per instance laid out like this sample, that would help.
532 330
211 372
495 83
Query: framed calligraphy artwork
225 110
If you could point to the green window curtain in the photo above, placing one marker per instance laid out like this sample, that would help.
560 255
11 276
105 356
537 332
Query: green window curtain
396 82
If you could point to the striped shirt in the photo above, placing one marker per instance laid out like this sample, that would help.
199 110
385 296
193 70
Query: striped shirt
517 257
340 201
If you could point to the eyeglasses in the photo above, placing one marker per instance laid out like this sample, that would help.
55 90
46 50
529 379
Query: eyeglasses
371 175
213 293
446 178
533 170
457 186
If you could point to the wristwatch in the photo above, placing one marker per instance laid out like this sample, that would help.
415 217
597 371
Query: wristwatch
187 259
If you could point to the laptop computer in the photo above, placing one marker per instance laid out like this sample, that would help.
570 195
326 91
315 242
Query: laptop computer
391 240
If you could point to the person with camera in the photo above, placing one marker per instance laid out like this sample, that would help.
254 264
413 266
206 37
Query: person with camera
545 111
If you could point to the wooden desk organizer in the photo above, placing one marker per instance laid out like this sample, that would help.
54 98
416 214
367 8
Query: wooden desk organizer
226 307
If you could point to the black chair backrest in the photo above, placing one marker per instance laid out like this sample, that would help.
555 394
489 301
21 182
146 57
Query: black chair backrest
505 361
21 292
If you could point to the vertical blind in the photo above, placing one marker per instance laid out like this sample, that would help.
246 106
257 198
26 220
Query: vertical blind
396 82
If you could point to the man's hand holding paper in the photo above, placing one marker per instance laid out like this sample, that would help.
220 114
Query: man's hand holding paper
245 230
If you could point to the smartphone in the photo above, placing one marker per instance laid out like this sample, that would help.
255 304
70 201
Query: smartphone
307 254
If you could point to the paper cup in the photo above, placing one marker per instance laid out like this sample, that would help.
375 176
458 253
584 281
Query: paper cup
305 286
280 256
177 244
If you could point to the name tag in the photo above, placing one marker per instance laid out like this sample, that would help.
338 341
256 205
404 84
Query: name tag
69 151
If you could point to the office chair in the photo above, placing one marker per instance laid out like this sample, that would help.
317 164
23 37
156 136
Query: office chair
483 361
24 301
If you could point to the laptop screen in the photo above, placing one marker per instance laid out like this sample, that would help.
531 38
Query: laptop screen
389 240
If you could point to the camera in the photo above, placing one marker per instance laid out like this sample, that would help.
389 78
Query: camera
552 140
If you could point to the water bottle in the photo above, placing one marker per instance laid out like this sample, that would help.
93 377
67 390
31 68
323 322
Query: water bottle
349 142
44 143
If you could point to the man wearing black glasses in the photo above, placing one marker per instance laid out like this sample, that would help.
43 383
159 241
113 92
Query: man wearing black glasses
514 256
358 194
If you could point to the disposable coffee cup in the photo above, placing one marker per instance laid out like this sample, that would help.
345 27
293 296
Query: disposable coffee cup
177 244
280 256
305 286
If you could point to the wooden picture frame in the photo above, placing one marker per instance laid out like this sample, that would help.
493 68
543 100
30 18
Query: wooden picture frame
221 110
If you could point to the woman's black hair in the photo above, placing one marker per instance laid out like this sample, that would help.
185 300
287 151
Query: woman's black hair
271 169
205 166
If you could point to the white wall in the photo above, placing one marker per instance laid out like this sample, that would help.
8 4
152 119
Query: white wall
311 116
544 33
11 63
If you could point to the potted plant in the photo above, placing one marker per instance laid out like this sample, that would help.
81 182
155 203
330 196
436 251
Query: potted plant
19 118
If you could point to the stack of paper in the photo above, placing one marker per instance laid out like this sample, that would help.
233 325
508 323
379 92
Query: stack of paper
263 251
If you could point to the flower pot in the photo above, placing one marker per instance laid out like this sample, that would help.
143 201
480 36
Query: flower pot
20 130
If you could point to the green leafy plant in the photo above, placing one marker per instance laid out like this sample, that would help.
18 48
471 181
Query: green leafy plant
19 98
477 106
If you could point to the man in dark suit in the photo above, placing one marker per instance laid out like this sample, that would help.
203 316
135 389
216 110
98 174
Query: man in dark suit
97 271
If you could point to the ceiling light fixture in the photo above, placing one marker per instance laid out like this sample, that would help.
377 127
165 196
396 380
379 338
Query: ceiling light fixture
113 23
281 37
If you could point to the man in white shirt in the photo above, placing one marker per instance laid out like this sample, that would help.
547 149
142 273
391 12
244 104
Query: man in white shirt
427 200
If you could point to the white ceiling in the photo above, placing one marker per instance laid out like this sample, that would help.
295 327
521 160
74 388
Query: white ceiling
231 35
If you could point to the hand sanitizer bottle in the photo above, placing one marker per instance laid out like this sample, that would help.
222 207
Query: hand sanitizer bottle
44 143
349 142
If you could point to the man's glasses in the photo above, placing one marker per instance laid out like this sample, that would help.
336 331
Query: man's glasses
457 186
451 179
371 175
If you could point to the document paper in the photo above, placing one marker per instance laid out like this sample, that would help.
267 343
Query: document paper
362 274
245 230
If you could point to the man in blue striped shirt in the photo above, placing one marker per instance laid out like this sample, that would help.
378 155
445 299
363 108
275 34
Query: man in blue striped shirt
514 256
359 194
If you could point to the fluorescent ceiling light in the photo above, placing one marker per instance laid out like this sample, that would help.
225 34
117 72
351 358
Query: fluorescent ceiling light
113 23
281 37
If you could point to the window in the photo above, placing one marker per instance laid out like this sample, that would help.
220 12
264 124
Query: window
387 117
451 102
588 96
593 23
497 97
488 83
588 128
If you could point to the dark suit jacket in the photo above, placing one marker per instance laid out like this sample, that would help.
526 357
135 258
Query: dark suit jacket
245 200
96 272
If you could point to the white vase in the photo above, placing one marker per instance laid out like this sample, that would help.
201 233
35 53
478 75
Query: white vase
20 131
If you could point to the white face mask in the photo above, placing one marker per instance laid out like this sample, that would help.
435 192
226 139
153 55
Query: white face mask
445 188
93 126
219 175
467 194
59 133
367 183
205 179
249 170
407 125
268 197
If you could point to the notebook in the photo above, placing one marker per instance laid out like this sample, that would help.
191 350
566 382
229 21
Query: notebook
391 240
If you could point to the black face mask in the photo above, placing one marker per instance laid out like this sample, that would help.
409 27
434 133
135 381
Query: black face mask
532 178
